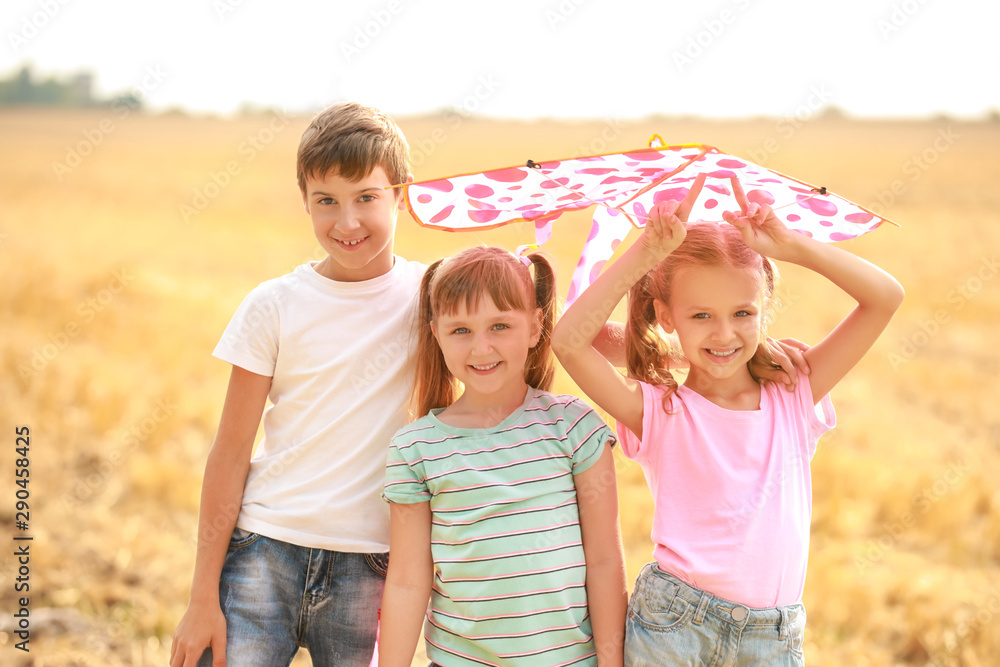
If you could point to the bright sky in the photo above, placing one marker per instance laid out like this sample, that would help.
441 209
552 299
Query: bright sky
524 58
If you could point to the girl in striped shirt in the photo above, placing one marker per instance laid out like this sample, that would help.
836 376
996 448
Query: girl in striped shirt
503 497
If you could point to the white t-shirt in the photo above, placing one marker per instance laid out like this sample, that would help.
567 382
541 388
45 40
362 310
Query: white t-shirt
341 355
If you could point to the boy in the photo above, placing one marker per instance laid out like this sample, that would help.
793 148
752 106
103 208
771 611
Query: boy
309 532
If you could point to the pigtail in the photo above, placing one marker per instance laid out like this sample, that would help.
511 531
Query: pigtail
539 367
762 356
435 386
770 272
647 353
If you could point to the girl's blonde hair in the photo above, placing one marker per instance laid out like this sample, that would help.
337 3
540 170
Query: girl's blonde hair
465 279
647 352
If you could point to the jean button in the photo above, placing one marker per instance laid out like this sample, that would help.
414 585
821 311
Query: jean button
739 614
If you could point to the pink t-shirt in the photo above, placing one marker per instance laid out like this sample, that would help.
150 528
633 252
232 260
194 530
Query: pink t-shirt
733 489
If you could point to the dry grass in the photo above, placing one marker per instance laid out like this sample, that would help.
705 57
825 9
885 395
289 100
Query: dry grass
113 303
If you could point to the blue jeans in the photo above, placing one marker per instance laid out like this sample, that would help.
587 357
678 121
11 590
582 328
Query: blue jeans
277 597
672 623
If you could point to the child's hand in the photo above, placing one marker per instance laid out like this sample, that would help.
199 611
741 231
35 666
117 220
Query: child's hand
666 227
762 230
780 361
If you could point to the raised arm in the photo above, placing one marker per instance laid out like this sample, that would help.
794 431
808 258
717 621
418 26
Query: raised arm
877 293
610 342
573 339
203 624
407 583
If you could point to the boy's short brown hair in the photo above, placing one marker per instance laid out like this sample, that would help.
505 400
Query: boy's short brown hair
352 139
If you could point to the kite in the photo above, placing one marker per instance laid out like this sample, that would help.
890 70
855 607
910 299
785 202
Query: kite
624 186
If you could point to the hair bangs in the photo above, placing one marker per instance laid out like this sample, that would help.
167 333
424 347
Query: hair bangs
467 278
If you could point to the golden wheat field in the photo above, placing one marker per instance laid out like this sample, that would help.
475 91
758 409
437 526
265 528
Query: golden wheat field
114 296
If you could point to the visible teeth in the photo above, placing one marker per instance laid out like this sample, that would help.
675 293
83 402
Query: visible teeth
352 242
486 367
722 354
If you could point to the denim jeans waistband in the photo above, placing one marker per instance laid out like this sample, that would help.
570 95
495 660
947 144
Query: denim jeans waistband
666 585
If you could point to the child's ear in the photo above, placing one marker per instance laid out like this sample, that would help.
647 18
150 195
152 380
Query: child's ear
536 327
434 330
663 316
400 198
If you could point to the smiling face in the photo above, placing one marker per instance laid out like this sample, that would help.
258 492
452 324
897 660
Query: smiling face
354 222
715 312
486 349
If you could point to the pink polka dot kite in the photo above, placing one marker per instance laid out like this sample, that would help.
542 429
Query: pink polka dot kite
624 186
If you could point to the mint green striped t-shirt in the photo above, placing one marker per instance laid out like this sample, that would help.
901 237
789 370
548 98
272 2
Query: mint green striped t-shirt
509 573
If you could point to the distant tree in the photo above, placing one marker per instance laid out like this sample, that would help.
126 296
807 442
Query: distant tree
21 89
831 112
129 100
17 89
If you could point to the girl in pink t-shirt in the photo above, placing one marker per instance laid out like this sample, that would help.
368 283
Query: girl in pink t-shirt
725 456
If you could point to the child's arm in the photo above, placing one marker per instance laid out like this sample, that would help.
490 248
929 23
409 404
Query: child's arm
407 584
203 624
610 343
877 293
575 332
607 590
